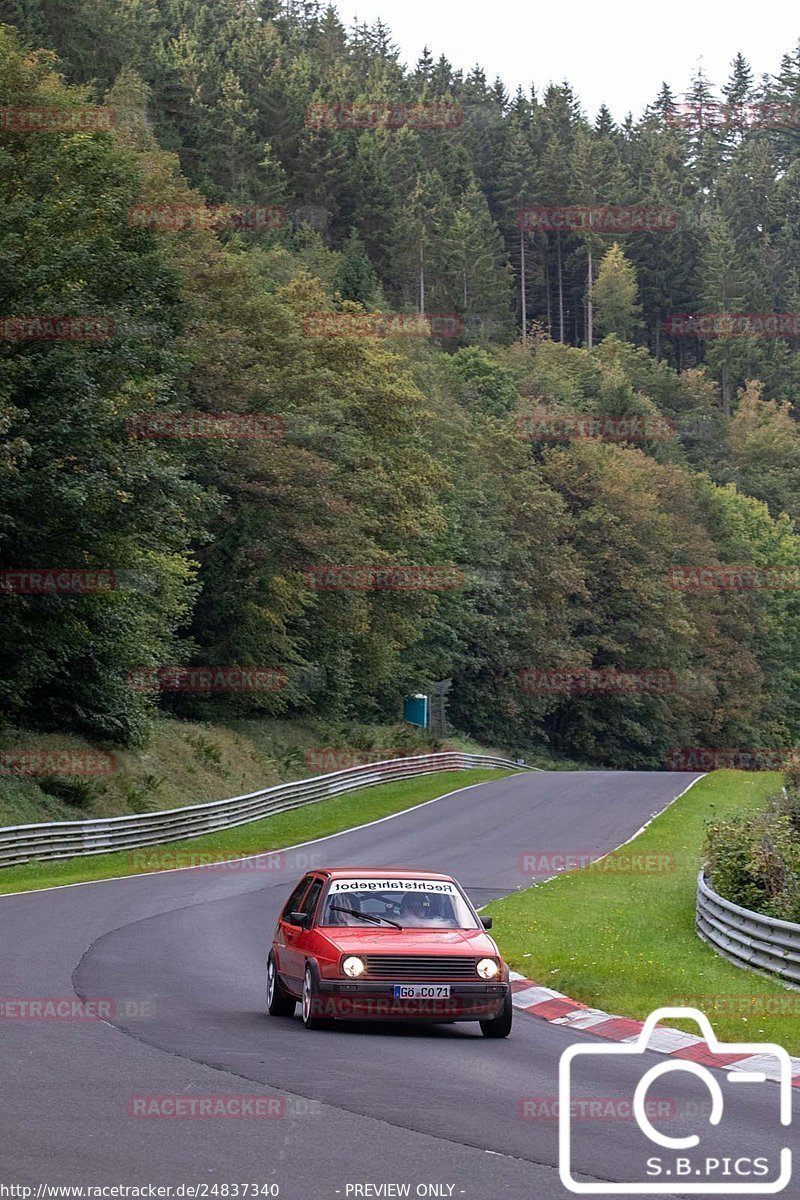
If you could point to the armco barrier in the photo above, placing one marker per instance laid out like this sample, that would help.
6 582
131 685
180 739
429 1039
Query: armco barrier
747 938
71 839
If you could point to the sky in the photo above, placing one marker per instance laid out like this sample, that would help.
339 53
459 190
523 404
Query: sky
617 54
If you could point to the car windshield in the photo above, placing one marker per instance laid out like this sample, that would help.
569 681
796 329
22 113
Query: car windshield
410 903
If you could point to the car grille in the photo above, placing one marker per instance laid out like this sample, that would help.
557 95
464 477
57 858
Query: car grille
420 966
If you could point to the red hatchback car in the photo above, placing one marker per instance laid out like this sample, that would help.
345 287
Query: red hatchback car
358 943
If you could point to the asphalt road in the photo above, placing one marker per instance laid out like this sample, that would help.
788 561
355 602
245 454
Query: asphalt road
182 954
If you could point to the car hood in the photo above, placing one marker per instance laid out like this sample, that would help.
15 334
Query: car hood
411 941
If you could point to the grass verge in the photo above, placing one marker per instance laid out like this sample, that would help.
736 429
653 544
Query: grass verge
626 943
270 833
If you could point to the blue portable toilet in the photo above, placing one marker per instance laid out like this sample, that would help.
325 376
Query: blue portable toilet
415 710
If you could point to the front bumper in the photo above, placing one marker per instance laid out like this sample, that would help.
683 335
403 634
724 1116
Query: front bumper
363 999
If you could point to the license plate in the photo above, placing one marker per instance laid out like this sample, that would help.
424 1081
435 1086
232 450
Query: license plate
422 991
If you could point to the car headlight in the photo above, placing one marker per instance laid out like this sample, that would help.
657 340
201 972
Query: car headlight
487 968
354 966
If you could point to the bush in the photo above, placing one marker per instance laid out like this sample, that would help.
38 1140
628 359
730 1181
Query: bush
790 799
754 859
74 790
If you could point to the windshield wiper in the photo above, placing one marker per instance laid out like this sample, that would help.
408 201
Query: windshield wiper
363 916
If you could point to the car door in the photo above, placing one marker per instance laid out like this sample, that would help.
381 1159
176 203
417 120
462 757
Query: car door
285 931
298 941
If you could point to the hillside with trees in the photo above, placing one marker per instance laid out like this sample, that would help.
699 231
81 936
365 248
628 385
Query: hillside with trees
391 450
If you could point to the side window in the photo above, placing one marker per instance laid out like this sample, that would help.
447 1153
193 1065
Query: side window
293 903
311 897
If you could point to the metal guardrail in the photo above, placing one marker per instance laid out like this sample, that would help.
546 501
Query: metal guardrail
748 939
72 839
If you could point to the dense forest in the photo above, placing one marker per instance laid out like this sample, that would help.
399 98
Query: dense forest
455 443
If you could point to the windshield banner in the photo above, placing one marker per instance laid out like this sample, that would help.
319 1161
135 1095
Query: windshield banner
392 885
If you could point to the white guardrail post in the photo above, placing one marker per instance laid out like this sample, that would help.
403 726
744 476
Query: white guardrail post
73 839
748 939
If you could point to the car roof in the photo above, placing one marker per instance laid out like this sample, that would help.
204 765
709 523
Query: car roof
377 872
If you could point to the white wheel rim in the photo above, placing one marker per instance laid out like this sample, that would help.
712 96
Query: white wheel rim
306 997
271 982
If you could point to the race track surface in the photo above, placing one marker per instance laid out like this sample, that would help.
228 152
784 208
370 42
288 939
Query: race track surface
182 956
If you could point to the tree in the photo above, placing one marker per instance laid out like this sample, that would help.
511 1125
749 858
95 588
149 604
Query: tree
623 536
84 493
739 93
726 282
477 273
597 179
705 136
417 241
615 295
519 181
764 445
483 384
355 278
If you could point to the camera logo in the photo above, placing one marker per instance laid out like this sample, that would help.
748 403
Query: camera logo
685 1165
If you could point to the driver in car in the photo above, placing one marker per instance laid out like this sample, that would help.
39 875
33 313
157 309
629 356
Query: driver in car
417 905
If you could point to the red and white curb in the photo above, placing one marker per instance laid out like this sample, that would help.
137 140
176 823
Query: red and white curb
549 1005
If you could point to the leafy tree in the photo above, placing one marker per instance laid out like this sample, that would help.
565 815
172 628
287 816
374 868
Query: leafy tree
764 446
81 494
483 383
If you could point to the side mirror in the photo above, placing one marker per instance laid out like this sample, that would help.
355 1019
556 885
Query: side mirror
486 922
299 918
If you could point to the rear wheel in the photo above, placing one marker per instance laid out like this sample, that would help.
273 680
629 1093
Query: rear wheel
310 1002
500 1026
279 1002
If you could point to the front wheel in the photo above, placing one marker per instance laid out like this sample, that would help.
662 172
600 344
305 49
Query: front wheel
500 1026
310 1002
279 1002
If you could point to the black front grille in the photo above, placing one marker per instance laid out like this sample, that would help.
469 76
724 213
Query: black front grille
419 966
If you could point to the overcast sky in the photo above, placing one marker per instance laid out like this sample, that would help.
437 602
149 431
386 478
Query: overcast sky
617 54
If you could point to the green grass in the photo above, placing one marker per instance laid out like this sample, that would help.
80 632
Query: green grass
626 943
270 833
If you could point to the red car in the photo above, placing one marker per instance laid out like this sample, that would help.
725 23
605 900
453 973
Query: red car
357 943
